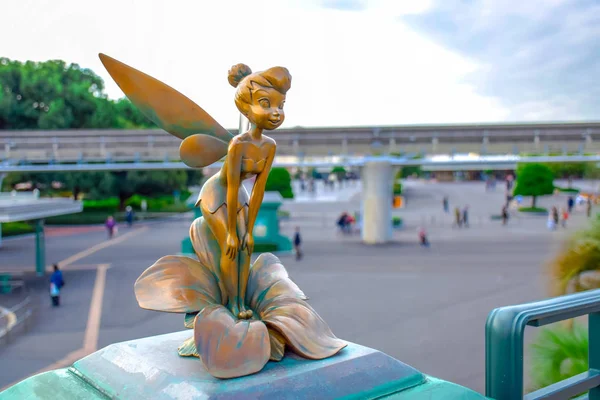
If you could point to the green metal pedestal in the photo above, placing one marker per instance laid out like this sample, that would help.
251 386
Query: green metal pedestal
40 248
266 228
150 368
186 244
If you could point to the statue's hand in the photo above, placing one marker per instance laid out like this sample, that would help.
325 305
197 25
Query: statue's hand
232 246
248 243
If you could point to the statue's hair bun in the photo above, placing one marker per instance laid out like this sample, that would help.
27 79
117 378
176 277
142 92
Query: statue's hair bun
237 73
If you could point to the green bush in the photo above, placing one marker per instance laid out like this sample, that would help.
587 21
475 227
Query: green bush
16 228
558 353
397 188
83 218
108 205
567 190
264 247
155 204
409 170
533 209
99 217
280 180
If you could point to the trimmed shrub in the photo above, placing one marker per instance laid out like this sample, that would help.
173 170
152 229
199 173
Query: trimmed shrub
533 209
280 180
16 228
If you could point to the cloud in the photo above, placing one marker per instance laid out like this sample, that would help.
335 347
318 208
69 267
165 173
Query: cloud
346 5
358 67
539 58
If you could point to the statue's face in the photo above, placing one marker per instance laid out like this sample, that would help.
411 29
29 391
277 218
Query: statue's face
266 110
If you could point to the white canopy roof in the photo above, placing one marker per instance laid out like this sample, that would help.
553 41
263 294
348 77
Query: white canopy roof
16 207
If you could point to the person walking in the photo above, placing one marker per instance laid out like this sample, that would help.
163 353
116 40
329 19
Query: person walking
129 216
457 217
555 216
589 207
465 217
570 204
550 223
297 244
446 204
56 284
423 237
565 218
111 226
504 215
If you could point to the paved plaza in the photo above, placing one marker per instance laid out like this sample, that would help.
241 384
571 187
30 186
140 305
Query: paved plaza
426 307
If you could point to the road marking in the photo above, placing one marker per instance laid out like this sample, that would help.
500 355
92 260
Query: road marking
92 330
70 267
11 320
100 246
90 340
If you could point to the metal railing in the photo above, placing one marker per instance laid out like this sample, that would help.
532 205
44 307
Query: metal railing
504 334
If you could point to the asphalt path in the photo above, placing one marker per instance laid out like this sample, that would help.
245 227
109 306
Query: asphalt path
426 307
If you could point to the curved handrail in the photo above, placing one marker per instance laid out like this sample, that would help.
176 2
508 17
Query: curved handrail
505 328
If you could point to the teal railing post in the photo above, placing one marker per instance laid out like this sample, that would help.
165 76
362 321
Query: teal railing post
40 248
594 350
505 328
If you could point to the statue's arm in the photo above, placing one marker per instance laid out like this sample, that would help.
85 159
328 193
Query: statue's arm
234 169
258 190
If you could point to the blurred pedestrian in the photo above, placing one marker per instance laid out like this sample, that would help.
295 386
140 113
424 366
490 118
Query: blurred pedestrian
446 204
555 216
111 226
457 217
570 204
589 207
423 240
129 216
56 284
550 223
565 218
465 217
504 215
297 244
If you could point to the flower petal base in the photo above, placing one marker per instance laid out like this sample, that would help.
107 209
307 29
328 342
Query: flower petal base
228 347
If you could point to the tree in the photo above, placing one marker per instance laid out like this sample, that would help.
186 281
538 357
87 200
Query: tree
567 170
534 180
280 180
57 95
409 170
339 171
124 184
194 177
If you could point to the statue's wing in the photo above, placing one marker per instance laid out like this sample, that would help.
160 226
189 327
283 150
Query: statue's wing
163 105
199 151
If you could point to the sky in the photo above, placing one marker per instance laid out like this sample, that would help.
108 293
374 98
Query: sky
353 62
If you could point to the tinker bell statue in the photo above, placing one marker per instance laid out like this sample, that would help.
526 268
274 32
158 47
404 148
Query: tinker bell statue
242 314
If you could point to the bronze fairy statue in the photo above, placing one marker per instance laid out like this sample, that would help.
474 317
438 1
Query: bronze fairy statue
242 314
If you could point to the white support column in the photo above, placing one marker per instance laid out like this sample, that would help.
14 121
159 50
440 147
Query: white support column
392 145
376 207
536 140
345 146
